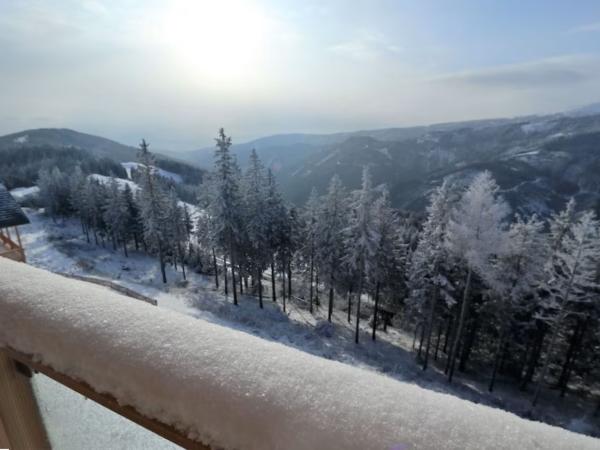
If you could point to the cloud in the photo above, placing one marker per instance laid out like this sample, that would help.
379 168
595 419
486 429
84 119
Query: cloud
559 71
366 46
585 28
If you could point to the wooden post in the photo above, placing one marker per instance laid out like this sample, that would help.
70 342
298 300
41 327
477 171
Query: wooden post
20 244
18 409
3 437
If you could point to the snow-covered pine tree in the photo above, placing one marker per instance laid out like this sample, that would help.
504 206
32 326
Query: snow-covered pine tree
205 227
77 184
361 238
560 225
54 192
309 236
95 197
153 206
114 213
515 274
276 224
225 206
331 223
133 227
573 278
475 233
389 251
176 230
429 263
256 218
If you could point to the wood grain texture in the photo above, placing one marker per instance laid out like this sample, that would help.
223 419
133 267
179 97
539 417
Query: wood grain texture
18 409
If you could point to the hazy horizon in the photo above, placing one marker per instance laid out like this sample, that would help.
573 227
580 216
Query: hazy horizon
175 72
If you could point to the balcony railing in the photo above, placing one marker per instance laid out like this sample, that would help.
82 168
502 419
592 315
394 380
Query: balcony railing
206 386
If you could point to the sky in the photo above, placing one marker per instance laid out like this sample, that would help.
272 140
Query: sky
175 71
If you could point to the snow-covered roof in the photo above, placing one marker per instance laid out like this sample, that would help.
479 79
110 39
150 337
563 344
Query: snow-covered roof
10 211
232 390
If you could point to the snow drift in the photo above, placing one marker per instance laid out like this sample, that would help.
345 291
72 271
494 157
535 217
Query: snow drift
235 391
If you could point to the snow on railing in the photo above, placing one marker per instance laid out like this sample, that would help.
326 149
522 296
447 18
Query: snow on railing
228 389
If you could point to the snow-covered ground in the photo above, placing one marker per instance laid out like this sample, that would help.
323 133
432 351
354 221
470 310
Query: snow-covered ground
24 192
120 181
128 166
60 247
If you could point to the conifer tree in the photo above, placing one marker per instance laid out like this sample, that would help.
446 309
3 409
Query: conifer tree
475 234
153 206
361 238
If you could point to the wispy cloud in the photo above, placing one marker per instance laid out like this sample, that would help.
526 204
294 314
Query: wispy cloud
366 46
585 28
565 70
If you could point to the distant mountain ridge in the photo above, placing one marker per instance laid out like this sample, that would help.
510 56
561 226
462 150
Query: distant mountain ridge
281 150
95 148
539 161
64 137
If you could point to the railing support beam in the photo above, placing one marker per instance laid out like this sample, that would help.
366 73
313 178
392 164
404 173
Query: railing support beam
19 412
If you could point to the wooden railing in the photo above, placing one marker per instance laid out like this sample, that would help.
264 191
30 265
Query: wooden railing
9 248
188 380
22 435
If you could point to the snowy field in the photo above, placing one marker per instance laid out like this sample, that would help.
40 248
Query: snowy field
59 247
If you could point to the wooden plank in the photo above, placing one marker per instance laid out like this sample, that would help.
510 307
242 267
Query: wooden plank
20 245
108 401
18 409
3 437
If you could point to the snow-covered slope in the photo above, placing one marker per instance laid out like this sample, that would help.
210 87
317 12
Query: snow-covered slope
105 180
129 166
233 390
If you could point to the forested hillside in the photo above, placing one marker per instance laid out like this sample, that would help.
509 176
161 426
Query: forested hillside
482 289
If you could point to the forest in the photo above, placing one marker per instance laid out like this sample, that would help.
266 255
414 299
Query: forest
480 288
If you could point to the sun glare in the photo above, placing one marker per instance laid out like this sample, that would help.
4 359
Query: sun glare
218 40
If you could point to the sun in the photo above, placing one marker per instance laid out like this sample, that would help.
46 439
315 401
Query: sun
219 40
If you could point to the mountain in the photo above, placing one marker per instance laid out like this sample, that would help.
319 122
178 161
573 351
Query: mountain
539 162
29 150
65 138
282 151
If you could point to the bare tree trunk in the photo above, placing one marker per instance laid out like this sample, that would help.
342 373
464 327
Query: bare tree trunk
260 291
448 332
283 284
241 283
125 248
312 267
225 275
421 339
574 347
350 305
461 323
434 300
468 342
534 358
499 353
233 289
376 310
546 363
273 286
439 339
182 264
216 267
289 271
317 301
360 284
161 258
